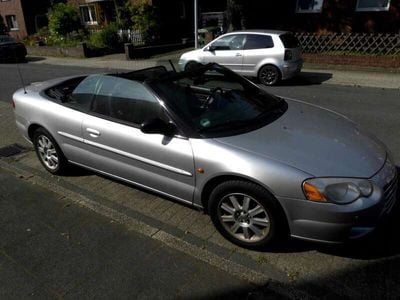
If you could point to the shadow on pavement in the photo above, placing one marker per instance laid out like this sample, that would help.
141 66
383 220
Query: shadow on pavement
307 78
34 58
384 242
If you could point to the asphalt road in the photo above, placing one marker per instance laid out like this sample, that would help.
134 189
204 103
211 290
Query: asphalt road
375 109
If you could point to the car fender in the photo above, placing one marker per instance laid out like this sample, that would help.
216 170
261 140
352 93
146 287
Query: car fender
268 61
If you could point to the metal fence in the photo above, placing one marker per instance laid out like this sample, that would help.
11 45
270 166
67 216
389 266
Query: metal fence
132 36
363 43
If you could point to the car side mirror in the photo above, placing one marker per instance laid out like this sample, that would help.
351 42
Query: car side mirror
211 48
158 126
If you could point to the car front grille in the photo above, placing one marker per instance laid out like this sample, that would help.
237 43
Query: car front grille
389 191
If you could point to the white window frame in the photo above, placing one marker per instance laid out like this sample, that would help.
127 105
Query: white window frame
309 11
372 8
93 19
12 20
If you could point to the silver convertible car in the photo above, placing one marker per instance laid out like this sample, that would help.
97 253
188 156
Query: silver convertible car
263 167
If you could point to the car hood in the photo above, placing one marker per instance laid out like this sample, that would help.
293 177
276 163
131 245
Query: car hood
315 140
191 54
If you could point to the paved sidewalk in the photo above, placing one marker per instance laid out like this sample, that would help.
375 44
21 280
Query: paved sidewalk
374 78
51 248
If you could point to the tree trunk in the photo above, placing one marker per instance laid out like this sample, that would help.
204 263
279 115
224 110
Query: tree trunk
236 14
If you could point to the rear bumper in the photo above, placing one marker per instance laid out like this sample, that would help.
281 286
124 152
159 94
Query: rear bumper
331 223
291 69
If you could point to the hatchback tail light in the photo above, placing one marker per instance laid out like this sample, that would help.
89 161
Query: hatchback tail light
288 55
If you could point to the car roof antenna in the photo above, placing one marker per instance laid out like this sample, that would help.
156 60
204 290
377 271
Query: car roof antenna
19 72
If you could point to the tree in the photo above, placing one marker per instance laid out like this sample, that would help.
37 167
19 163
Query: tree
237 14
3 27
63 19
124 13
144 18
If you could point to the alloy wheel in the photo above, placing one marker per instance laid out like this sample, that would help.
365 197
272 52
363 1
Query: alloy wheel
47 152
244 217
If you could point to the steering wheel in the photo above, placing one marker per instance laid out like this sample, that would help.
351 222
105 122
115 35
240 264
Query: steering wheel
210 99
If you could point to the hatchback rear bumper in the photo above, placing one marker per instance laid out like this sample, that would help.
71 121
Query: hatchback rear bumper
291 69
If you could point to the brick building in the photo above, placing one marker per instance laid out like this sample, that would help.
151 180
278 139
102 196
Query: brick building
23 17
94 13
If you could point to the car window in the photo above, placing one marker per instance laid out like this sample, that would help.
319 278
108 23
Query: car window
6 39
257 41
289 40
81 97
230 42
125 100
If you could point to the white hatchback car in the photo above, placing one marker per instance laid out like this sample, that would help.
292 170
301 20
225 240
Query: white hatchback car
269 55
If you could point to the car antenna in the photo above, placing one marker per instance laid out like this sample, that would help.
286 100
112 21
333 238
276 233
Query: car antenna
172 65
19 72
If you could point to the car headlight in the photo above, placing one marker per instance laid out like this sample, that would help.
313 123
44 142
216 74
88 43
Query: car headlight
337 190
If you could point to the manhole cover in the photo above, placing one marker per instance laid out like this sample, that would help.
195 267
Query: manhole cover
11 150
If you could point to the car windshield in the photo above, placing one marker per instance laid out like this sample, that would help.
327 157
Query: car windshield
214 101
6 39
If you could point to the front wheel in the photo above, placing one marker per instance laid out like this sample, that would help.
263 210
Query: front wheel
269 75
246 214
48 152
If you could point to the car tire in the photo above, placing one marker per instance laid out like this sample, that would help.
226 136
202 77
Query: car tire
190 65
48 152
258 224
269 75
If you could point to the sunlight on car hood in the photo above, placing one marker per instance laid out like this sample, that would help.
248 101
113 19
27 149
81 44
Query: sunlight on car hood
316 141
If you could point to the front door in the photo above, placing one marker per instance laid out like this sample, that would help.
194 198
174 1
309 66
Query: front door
117 146
226 51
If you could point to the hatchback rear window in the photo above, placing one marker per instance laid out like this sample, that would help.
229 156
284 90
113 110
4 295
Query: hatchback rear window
289 40
257 41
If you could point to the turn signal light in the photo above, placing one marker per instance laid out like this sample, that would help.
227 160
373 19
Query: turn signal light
288 55
312 193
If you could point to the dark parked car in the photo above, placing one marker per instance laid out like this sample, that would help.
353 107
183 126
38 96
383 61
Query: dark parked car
11 50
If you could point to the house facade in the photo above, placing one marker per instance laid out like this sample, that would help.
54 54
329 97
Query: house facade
324 16
23 17
95 13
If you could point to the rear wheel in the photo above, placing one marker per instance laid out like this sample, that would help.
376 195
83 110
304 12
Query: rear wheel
48 152
269 75
246 214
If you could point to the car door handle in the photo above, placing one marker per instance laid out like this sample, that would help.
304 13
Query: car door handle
93 132
238 54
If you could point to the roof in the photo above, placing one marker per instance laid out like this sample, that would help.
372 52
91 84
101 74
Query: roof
278 32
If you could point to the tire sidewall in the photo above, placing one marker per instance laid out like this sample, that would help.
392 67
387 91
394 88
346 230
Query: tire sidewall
256 192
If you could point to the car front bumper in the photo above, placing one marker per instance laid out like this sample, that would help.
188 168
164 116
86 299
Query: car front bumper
332 223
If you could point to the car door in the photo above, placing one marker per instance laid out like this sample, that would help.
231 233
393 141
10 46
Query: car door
118 147
226 51
257 48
